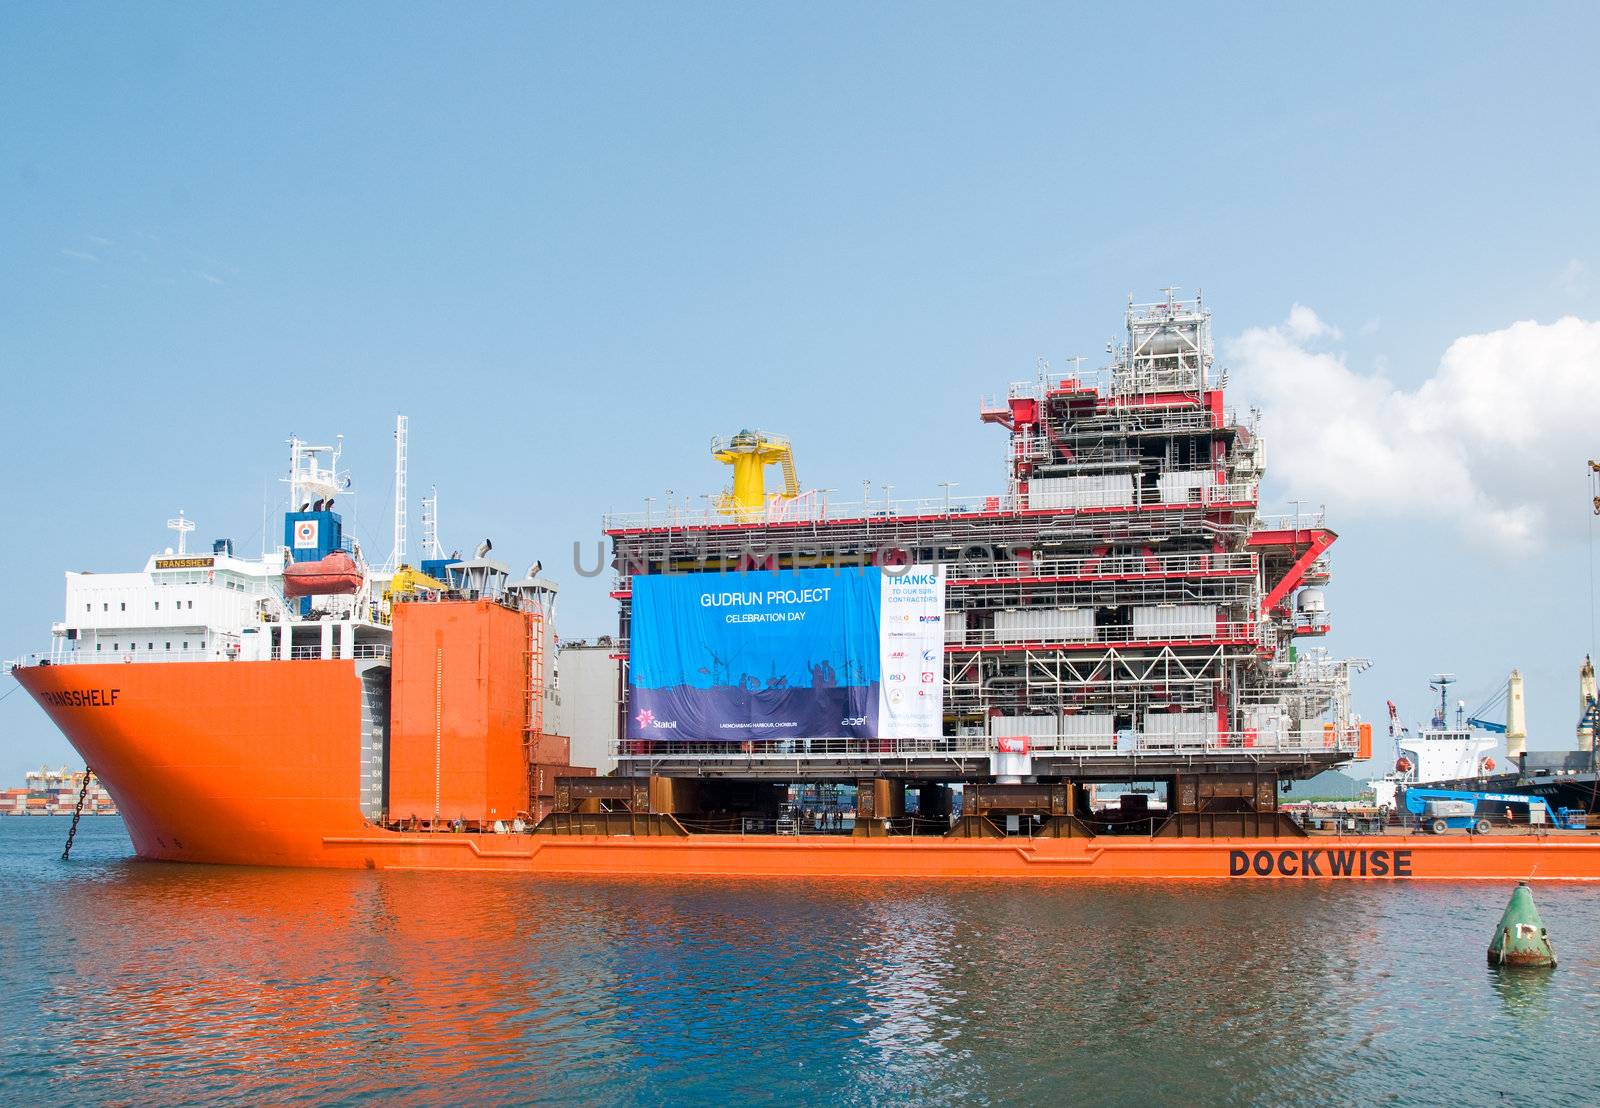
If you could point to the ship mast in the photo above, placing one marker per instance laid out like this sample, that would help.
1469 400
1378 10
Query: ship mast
397 555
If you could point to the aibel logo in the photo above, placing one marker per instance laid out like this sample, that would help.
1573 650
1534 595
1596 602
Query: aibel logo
853 721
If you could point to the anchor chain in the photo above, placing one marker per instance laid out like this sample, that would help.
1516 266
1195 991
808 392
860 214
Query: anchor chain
77 813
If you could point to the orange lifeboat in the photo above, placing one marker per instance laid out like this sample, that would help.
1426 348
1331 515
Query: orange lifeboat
336 573
1402 765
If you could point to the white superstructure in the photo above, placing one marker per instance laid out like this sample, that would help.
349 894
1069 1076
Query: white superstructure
179 606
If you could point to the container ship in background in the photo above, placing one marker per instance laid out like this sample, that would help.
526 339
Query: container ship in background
992 687
55 792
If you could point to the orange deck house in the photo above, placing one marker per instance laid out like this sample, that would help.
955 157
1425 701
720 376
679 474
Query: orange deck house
460 696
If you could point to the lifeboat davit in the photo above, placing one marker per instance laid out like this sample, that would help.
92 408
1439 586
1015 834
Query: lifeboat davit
337 573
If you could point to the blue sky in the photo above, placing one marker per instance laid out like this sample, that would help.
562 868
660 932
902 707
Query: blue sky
573 243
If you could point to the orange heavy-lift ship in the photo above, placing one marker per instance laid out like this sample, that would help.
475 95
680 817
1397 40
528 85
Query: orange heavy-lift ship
880 690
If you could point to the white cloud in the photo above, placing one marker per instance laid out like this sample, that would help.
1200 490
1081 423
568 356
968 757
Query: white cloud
1493 443
1573 279
1306 326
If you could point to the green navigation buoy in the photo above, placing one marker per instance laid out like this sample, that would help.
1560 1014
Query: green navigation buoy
1520 940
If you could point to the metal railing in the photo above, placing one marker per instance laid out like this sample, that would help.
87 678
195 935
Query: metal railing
142 656
1120 745
1292 521
817 508
1162 565
1210 632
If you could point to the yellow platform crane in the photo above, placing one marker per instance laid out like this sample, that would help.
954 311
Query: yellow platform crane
749 453
405 583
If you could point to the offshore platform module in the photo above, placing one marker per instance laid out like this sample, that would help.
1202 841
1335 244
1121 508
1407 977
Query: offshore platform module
1121 612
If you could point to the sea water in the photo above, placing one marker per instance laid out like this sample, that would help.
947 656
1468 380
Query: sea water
128 981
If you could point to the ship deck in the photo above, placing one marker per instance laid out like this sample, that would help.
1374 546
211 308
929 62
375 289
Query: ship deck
1573 856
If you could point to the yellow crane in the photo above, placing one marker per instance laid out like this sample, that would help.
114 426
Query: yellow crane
407 581
749 453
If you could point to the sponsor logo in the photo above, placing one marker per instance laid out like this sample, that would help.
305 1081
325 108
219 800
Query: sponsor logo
82 698
928 655
1012 744
305 534
853 721
928 676
1319 863
898 654
186 563
930 619
645 717
897 677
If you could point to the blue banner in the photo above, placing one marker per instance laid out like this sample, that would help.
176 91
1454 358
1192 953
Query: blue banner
758 655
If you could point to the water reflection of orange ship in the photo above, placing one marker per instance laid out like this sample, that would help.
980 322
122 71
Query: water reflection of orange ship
310 981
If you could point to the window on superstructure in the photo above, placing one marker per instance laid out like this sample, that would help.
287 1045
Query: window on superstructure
149 646
88 607
169 646
158 605
105 607
123 605
98 645
186 645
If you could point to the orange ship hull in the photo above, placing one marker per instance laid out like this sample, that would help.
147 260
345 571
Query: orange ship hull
256 763
1367 857
248 763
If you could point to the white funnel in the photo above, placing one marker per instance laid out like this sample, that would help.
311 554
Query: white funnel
1516 718
1586 693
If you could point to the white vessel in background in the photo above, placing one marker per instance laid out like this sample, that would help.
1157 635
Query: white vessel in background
1441 752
